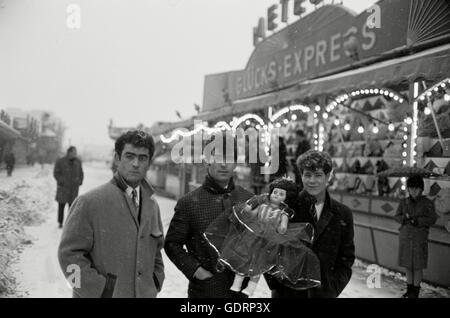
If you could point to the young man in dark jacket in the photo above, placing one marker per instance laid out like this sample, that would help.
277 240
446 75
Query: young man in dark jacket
185 244
333 230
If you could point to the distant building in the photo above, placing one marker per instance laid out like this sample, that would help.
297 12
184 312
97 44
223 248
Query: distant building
49 142
34 136
8 137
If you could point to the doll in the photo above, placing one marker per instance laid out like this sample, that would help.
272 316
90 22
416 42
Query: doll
260 240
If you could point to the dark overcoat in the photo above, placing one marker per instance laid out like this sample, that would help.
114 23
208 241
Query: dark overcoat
69 177
186 245
333 244
413 238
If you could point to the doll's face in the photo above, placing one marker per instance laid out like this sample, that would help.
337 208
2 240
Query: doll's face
278 195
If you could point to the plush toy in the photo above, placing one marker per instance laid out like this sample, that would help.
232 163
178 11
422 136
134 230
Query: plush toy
260 239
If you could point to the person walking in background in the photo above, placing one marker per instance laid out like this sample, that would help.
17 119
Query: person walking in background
416 215
68 172
303 146
114 233
186 245
10 161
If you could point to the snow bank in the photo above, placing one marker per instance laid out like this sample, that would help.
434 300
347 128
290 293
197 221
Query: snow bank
20 205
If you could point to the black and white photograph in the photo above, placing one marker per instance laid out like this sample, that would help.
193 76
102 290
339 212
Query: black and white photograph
237 150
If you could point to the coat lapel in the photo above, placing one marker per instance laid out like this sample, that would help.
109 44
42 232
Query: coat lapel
149 212
120 183
306 202
325 218
132 209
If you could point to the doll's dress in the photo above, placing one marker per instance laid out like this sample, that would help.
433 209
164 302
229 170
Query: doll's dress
253 247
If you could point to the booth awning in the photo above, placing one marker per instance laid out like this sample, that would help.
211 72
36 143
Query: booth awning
432 65
171 126
215 114
7 132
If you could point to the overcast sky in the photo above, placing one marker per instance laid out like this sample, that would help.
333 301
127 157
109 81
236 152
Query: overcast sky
131 61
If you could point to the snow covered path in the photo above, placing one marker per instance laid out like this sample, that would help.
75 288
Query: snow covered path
38 274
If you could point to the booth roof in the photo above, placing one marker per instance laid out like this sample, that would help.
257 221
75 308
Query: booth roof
8 132
432 65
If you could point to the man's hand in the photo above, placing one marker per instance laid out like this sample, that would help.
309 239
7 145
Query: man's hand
202 274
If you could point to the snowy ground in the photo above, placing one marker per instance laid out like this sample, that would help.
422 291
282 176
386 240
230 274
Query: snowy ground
37 272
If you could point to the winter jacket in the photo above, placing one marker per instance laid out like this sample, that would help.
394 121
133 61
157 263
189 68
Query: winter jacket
413 236
186 245
69 177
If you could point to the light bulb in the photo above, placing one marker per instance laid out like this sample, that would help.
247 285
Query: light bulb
361 129
375 130
427 111
294 117
347 127
391 127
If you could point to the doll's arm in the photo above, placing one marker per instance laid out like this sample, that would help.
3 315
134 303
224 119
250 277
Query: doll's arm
284 220
251 206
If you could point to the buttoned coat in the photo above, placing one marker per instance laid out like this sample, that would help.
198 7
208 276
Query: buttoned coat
69 177
413 238
117 255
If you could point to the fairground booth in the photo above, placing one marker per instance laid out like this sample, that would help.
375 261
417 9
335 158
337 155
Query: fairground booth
371 89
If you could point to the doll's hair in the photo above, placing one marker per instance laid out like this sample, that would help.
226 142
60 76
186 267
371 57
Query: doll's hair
291 188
